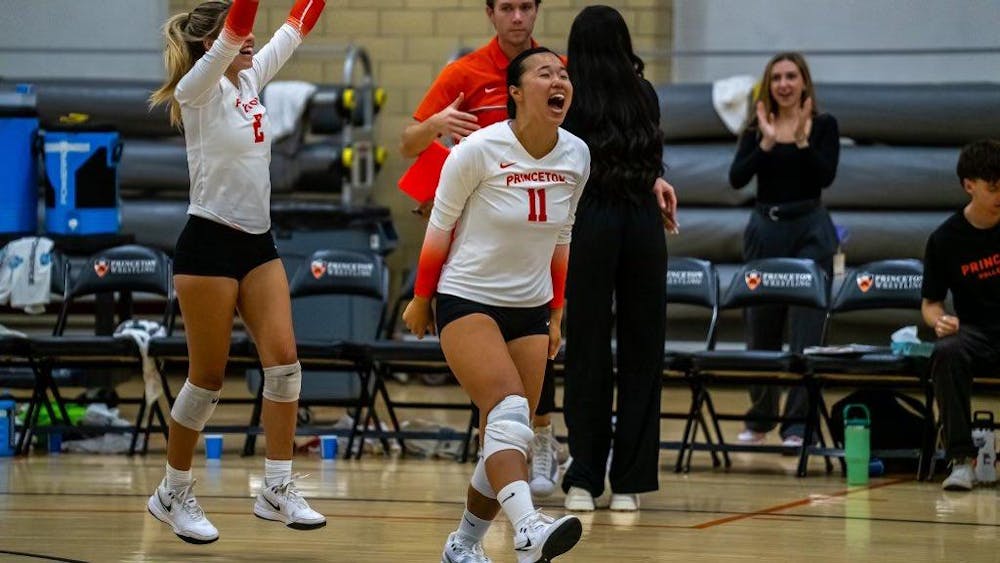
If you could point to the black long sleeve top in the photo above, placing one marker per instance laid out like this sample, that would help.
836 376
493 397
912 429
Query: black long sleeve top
787 173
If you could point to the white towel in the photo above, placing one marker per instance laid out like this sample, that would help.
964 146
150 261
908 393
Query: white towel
286 102
26 274
141 331
731 100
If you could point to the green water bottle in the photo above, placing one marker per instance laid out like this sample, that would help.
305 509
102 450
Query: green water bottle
857 443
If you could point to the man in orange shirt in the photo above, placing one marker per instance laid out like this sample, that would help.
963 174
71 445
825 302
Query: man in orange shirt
471 91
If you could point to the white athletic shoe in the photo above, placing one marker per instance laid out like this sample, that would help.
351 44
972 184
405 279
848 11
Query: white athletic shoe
180 510
748 436
624 502
462 549
282 502
538 537
579 499
961 477
544 463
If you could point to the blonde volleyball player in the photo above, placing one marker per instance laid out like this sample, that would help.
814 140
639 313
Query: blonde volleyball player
494 260
225 259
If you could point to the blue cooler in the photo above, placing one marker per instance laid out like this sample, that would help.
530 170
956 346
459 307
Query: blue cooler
18 162
81 181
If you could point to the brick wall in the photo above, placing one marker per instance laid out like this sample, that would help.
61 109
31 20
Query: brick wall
410 40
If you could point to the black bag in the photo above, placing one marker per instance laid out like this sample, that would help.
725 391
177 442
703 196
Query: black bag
897 419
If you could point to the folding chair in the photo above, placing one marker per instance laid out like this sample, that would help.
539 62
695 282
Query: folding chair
880 285
337 286
691 281
121 271
412 356
770 281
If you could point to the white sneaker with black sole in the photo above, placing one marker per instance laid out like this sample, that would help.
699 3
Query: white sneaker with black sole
538 538
180 510
544 463
462 549
961 478
621 502
282 502
579 499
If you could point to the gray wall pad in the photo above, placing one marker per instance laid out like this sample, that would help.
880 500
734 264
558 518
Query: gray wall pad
868 177
905 114
122 104
717 234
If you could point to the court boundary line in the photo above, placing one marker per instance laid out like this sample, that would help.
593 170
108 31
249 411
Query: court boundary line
795 504
40 556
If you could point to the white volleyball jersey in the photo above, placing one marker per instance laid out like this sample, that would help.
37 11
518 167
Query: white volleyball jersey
227 134
511 210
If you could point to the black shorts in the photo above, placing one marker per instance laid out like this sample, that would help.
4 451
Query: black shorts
514 322
207 248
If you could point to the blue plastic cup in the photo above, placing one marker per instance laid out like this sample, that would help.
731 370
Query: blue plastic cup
213 446
55 442
328 447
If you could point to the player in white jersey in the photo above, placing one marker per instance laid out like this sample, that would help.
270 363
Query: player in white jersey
225 259
498 280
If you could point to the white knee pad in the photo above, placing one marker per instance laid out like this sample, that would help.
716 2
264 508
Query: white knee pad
508 427
194 406
282 384
480 482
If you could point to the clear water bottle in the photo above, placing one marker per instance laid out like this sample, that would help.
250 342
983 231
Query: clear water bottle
984 439
857 443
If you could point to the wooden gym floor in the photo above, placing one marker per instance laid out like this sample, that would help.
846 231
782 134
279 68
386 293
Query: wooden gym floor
74 507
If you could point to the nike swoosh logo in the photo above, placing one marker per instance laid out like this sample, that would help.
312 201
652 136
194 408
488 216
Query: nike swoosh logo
274 506
507 164
525 547
491 90
216 400
508 498
469 521
165 506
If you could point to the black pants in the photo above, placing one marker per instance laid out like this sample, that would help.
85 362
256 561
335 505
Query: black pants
956 359
618 252
811 235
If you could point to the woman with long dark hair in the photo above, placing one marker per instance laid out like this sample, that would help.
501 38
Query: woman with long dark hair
618 260
793 150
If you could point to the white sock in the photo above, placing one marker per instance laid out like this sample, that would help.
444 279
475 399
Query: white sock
515 500
177 479
473 527
276 470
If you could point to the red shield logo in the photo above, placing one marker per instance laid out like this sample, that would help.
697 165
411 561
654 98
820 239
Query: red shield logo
752 279
101 267
318 268
865 282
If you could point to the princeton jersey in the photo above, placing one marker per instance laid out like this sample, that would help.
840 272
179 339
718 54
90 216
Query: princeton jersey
511 211
226 132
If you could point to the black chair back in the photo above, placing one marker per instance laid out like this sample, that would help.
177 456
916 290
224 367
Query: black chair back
343 273
692 281
778 281
123 269
885 284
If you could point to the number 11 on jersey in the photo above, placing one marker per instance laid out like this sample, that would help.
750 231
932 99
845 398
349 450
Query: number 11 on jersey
536 205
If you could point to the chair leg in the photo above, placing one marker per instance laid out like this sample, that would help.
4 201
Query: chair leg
390 408
718 429
358 409
138 426
163 425
250 442
702 395
926 463
703 425
30 418
811 416
685 436
466 443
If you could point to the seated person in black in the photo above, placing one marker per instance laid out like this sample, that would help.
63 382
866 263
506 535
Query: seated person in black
793 150
963 256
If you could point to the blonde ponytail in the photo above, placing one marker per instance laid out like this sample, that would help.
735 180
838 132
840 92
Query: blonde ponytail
185 34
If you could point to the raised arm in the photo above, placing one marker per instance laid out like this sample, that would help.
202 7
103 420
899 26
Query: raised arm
301 19
202 81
